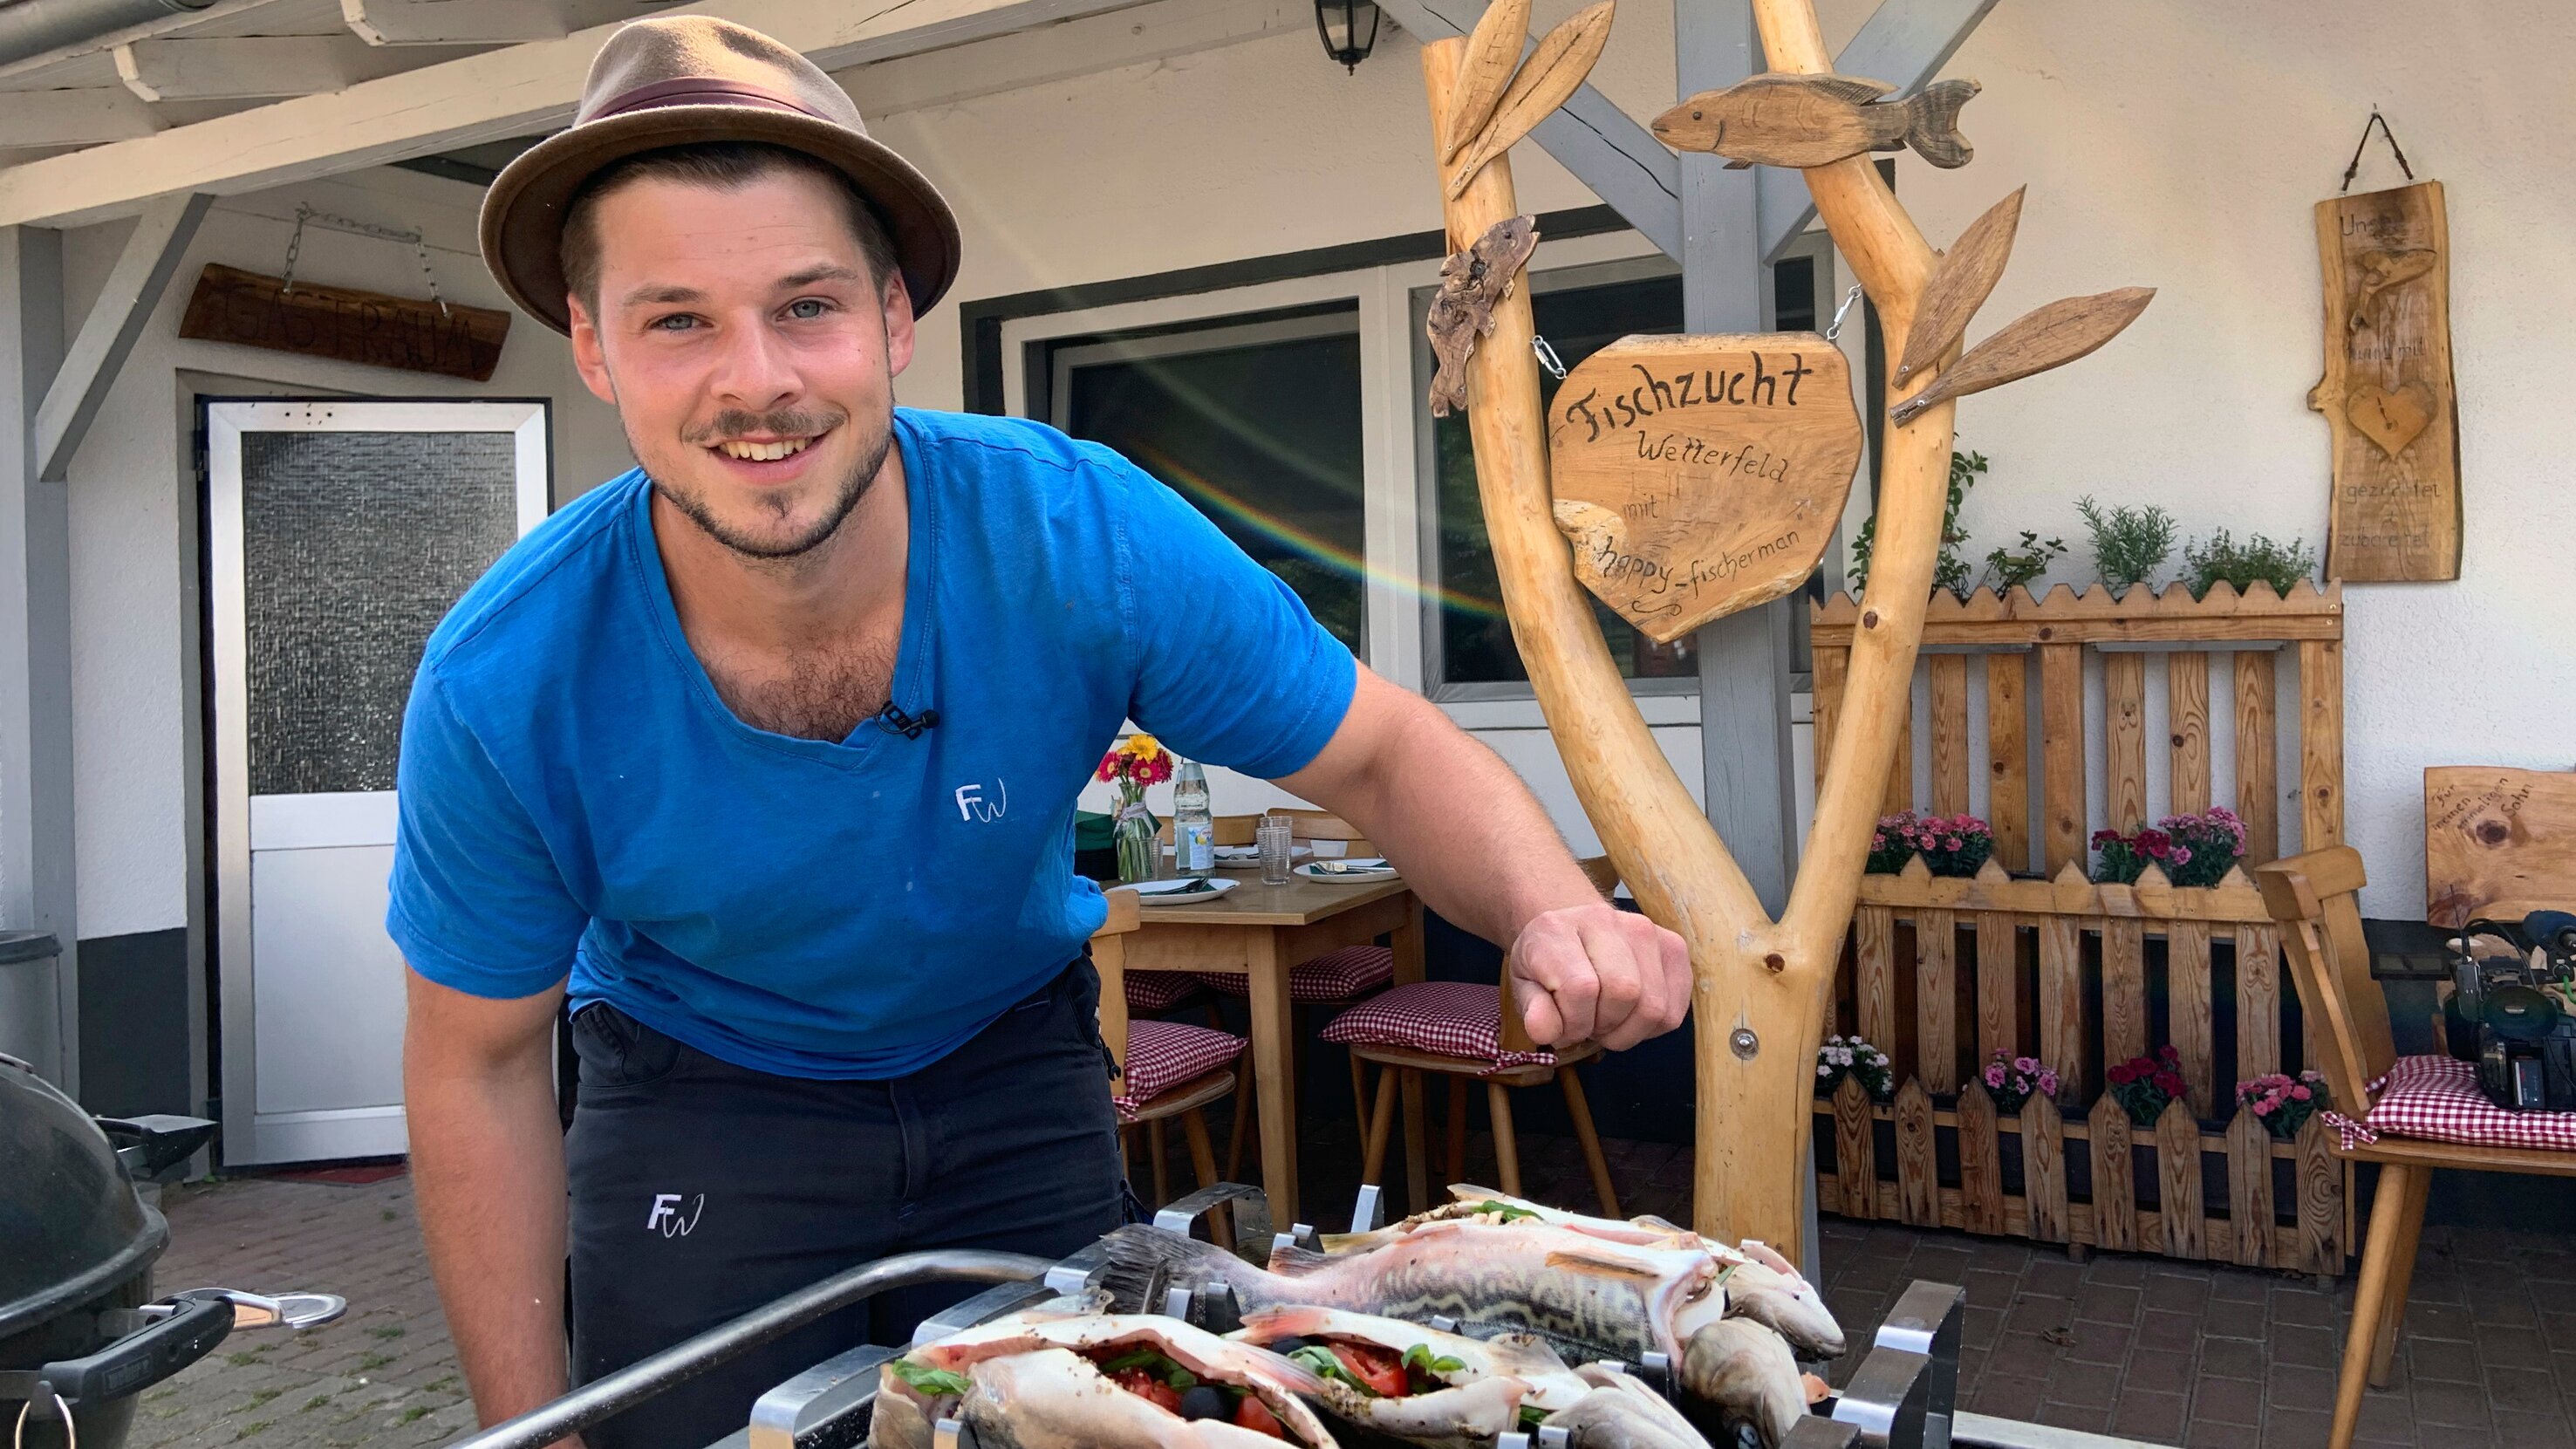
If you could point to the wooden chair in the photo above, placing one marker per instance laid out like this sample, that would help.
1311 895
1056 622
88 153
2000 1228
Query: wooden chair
2314 898
1151 993
1180 1067
1401 1067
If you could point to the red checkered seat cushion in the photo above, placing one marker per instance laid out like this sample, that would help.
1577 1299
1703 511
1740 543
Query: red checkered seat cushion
1451 1018
1162 1055
1342 975
2436 1098
1153 991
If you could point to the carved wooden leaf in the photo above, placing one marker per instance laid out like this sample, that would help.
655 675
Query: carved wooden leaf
2045 337
1553 72
1492 51
1960 284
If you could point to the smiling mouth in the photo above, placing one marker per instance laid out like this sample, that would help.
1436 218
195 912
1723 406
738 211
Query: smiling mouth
763 451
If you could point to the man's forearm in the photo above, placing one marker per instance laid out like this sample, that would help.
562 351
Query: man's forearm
1474 843
488 1176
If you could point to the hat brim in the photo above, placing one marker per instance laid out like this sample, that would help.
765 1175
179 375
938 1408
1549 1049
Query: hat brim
523 212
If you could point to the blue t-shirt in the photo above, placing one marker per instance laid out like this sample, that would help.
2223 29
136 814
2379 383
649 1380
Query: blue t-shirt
575 798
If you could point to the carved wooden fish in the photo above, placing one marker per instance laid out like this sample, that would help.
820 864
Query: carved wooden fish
1471 282
1776 119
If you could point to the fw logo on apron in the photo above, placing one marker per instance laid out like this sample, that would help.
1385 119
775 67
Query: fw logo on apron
665 1217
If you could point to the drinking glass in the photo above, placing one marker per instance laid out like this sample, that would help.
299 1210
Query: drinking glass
1271 836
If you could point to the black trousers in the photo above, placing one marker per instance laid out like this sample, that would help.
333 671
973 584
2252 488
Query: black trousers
701 1190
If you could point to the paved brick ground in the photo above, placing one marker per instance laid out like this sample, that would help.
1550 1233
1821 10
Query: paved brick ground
383 1375
2207 1357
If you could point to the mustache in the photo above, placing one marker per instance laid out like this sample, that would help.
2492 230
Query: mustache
743 423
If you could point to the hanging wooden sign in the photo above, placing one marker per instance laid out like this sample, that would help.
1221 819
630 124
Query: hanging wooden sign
231 305
1697 476
2387 392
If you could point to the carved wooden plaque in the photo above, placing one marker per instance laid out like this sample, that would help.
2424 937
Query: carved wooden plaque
2387 388
1697 476
2498 843
231 305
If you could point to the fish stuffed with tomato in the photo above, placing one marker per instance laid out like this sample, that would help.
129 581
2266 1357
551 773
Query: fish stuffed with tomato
1418 1385
1051 1379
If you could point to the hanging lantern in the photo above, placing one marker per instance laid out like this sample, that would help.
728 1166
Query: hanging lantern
1349 28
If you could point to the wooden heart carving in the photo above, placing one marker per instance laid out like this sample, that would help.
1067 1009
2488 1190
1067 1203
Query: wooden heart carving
2390 419
1697 476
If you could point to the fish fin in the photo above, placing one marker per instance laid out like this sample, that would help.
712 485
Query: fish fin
1143 1261
1652 1223
1598 1263
1855 89
1288 1260
1933 128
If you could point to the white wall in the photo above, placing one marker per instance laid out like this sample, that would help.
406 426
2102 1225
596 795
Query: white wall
2179 144
133 499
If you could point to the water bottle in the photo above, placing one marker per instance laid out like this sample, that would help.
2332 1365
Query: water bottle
1193 829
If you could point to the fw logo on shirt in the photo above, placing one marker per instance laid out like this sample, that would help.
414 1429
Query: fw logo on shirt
974 808
666 1219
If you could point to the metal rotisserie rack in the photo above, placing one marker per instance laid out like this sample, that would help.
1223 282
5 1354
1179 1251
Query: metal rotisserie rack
1902 1396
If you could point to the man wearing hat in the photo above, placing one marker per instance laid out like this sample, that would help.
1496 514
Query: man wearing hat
763 758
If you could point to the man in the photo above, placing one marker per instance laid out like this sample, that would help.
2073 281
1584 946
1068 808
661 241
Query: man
763 758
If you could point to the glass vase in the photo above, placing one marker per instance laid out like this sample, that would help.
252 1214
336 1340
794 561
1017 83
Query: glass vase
1139 846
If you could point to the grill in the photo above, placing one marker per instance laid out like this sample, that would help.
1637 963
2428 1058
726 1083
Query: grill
1904 1395
81 1332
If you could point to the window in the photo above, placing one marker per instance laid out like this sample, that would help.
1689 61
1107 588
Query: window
1468 649
1257 424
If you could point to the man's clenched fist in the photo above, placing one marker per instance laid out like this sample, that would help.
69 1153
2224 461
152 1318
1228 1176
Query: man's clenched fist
1598 973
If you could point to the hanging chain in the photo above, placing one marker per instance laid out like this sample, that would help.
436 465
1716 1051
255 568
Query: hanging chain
1547 357
2376 119
1834 329
419 245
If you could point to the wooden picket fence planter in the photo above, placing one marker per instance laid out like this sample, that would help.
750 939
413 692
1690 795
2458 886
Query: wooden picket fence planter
1943 973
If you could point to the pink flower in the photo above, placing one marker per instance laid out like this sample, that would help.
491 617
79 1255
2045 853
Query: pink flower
2300 1094
2263 1108
2182 855
1995 1076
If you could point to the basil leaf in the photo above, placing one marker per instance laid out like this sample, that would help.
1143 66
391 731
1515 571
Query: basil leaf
924 1379
1418 1357
1181 1379
1324 1363
1447 1365
1532 1416
1508 1212
1134 1358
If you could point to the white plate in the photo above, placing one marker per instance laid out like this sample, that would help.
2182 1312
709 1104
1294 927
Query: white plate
1244 857
1177 892
1366 867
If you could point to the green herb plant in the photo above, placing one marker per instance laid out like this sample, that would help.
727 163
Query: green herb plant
1324 1363
2282 565
1503 1210
2129 543
935 1382
2012 568
1949 570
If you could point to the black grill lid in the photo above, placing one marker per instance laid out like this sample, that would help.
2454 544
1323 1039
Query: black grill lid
73 1224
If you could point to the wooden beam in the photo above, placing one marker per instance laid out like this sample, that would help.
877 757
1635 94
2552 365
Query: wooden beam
249 67
1589 135
134 287
452 22
1904 42
1150 32
85 117
502 93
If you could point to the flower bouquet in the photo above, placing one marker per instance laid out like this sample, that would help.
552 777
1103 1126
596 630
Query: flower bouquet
2284 1103
2145 1086
2011 1082
1952 845
2192 850
1851 1056
1132 766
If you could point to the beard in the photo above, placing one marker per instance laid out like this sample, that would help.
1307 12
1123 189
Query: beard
787 538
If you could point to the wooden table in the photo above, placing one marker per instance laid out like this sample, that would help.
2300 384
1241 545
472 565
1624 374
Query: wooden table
1259 931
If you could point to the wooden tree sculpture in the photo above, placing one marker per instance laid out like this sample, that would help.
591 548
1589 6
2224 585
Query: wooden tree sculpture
1762 986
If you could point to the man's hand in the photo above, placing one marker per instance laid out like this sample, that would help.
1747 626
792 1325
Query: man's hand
1598 973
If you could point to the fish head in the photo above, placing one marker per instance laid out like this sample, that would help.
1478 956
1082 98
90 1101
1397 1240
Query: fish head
1746 1374
1765 1289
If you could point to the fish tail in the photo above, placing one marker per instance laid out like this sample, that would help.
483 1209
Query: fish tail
1144 1262
1933 127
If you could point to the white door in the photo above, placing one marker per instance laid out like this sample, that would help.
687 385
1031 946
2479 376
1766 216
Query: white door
338 533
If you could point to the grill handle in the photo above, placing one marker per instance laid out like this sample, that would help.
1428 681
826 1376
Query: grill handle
641 1380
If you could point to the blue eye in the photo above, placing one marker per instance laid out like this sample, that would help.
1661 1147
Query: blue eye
676 322
807 309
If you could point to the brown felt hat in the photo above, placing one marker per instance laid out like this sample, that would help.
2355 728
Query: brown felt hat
680 80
